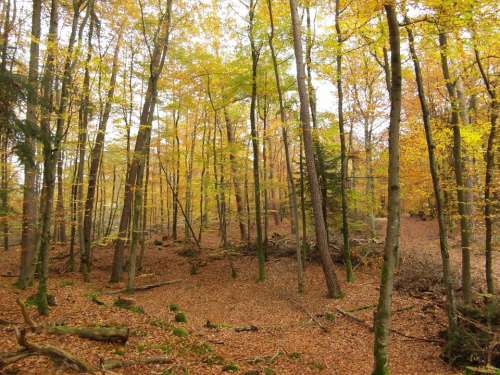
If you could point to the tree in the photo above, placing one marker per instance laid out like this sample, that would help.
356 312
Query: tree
50 143
305 119
383 314
464 203
28 240
256 49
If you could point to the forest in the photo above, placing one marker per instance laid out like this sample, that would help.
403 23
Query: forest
250 187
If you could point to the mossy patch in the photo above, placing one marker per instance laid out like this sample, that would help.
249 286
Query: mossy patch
173 307
180 332
231 367
122 304
180 317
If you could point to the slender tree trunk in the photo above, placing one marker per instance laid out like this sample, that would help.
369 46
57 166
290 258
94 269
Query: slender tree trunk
383 314
235 177
84 108
95 161
318 150
343 149
488 178
49 161
141 148
319 223
292 195
438 195
28 240
255 143
463 202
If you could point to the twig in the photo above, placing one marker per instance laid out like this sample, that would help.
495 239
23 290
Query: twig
323 328
144 287
370 327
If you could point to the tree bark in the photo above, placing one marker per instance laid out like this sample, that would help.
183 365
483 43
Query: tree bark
305 119
488 178
95 159
436 184
255 142
141 146
383 315
463 197
292 195
343 149
49 161
28 237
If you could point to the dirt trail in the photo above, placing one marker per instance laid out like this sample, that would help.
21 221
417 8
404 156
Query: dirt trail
287 340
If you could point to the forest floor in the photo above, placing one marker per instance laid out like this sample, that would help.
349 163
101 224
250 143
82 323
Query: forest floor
286 339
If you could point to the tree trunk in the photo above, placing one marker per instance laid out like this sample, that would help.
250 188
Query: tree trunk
383 314
488 178
28 240
318 150
95 160
83 128
141 148
292 195
305 119
462 195
235 177
255 143
438 194
156 66
49 162
343 150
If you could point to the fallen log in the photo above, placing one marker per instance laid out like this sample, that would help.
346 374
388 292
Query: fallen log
144 287
107 334
110 364
52 351
9 358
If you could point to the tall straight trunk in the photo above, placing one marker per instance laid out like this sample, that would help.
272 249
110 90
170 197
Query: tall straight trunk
302 193
49 161
436 184
84 108
235 177
265 170
255 143
462 195
292 195
175 191
383 314
343 149
95 160
319 223
60 220
143 219
318 150
5 191
69 63
28 237
141 147
4 186
488 178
